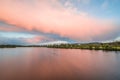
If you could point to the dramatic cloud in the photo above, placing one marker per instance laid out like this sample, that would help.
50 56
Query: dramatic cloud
54 17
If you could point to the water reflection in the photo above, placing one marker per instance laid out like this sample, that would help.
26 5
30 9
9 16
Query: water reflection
58 64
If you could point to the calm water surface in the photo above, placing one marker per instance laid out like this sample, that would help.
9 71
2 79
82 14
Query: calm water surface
58 64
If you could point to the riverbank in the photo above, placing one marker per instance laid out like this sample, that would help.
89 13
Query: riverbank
15 46
113 46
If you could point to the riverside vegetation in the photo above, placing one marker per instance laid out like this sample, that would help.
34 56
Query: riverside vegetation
113 46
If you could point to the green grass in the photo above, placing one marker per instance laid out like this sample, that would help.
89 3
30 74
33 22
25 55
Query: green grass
115 46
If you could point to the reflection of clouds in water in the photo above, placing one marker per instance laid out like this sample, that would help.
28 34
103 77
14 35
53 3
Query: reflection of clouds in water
45 63
45 54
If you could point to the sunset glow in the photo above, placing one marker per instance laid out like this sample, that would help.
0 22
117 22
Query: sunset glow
60 20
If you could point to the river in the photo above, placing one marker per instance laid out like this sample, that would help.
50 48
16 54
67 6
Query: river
58 64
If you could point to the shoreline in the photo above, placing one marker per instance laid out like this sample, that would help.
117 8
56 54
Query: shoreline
113 46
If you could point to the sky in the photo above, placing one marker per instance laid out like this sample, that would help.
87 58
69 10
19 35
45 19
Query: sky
42 21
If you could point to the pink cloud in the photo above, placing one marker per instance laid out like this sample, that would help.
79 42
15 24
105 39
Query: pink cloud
50 16
10 29
37 39
33 40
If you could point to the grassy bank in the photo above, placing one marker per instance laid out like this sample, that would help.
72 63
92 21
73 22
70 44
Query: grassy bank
114 46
